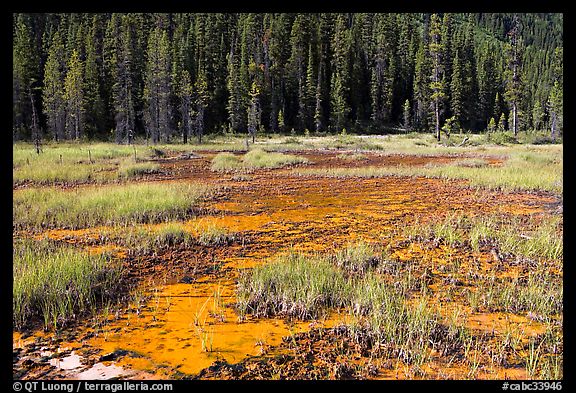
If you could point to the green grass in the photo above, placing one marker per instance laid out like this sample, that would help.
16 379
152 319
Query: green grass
529 237
67 162
293 286
539 296
525 169
144 240
258 158
119 204
307 287
226 162
352 157
129 169
55 283
254 159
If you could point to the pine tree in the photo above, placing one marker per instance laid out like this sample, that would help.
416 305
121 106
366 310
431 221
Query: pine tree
556 98
254 117
406 115
491 125
502 123
437 78
537 115
25 78
383 72
513 75
297 65
53 93
310 93
339 86
456 91
121 66
157 87
235 98
185 93
201 98
318 108
421 88
94 104
74 97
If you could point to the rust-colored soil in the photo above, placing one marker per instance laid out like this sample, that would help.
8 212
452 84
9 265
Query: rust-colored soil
180 322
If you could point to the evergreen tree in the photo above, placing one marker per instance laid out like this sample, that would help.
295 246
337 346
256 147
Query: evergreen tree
491 125
25 78
513 74
339 87
421 88
406 117
53 93
157 87
537 115
236 97
456 91
556 98
121 66
185 93
437 76
254 111
74 97
383 72
502 123
201 98
94 104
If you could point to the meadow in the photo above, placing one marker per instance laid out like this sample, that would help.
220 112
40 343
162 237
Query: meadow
354 256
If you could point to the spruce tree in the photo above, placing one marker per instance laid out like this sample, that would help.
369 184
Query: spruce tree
456 91
157 88
513 73
437 77
54 106
556 98
254 117
185 93
74 97
201 97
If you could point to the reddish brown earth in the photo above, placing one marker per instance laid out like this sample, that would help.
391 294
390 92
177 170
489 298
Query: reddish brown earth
183 323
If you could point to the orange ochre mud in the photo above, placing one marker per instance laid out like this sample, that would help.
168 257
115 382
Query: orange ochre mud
180 320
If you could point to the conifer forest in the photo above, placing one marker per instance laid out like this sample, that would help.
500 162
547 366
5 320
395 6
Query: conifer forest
167 77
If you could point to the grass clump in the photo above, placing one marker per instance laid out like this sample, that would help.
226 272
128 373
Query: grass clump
258 158
254 159
226 162
357 258
525 169
55 283
307 287
294 286
529 237
352 157
130 169
67 162
143 240
539 295
143 203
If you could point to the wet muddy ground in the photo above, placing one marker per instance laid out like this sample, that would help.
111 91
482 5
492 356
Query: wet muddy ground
179 320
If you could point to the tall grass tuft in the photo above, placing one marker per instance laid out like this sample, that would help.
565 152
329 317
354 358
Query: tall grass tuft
255 158
128 169
55 283
293 285
144 203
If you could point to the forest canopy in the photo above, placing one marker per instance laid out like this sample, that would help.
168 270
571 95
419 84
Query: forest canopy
170 77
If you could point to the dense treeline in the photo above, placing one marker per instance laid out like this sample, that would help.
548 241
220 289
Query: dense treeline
180 76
